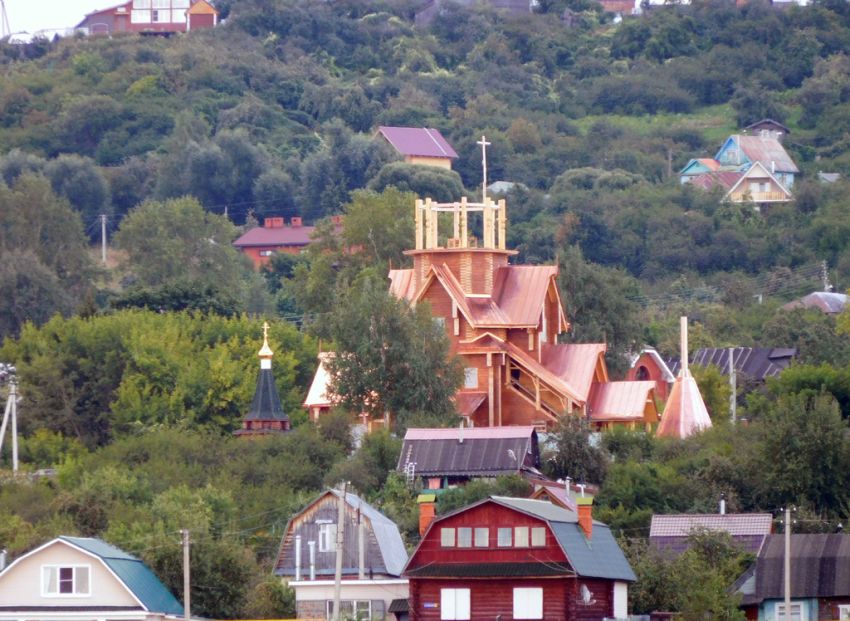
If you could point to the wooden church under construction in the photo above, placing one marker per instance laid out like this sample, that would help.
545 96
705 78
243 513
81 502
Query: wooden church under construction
504 320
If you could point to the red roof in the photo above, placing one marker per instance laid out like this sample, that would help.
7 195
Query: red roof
276 236
467 402
576 361
401 284
726 179
685 412
421 141
620 401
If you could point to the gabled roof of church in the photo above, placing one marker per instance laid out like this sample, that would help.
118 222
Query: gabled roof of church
517 300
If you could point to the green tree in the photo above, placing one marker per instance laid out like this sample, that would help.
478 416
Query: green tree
391 359
176 242
574 456
423 181
803 455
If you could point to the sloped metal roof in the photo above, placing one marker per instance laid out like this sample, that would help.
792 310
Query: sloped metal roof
597 557
479 451
821 566
401 284
825 301
575 363
135 575
266 403
319 394
621 401
421 141
768 151
684 413
736 524
276 236
386 532
755 362
520 291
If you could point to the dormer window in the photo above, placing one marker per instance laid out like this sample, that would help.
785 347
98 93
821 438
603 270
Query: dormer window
66 581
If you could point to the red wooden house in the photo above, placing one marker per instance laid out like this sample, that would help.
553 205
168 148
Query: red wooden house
504 321
262 242
151 17
510 558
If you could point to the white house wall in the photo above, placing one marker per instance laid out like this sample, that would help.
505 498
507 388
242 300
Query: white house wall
21 584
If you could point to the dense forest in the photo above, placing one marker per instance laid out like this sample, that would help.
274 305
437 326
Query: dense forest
135 371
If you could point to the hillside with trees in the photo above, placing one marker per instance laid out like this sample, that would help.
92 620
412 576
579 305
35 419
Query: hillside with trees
135 372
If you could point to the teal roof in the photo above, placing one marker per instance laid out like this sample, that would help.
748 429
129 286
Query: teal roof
133 573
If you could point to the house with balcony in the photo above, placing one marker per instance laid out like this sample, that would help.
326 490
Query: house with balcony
158 17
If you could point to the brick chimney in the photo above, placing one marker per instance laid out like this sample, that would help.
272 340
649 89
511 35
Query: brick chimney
295 222
585 514
427 511
273 223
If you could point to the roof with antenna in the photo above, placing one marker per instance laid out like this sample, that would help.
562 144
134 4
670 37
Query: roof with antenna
470 451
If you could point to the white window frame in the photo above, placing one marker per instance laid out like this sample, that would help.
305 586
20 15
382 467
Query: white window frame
140 16
440 321
75 568
266 253
500 534
464 537
538 536
481 537
844 612
528 602
779 611
448 538
521 537
455 605
470 377
350 609
327 537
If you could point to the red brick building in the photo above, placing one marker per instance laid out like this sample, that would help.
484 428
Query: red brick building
151 17
504 321
511 558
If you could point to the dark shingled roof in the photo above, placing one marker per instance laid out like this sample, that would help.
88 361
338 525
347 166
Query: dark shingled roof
482 451
399 605
266 404
757 363
820 568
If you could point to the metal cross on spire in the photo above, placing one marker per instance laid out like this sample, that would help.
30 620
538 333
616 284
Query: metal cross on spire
484 144
266 331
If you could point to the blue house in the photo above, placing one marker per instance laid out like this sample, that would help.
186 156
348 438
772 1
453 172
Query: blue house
742 152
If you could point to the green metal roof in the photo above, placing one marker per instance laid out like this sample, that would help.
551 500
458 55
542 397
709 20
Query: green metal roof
135 575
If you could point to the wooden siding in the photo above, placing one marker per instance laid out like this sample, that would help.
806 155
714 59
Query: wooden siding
493 517
307 526
490 598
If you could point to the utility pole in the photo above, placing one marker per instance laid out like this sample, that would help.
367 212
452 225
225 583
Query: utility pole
787 564
340 540
733 397
187 596
7 373
103 238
